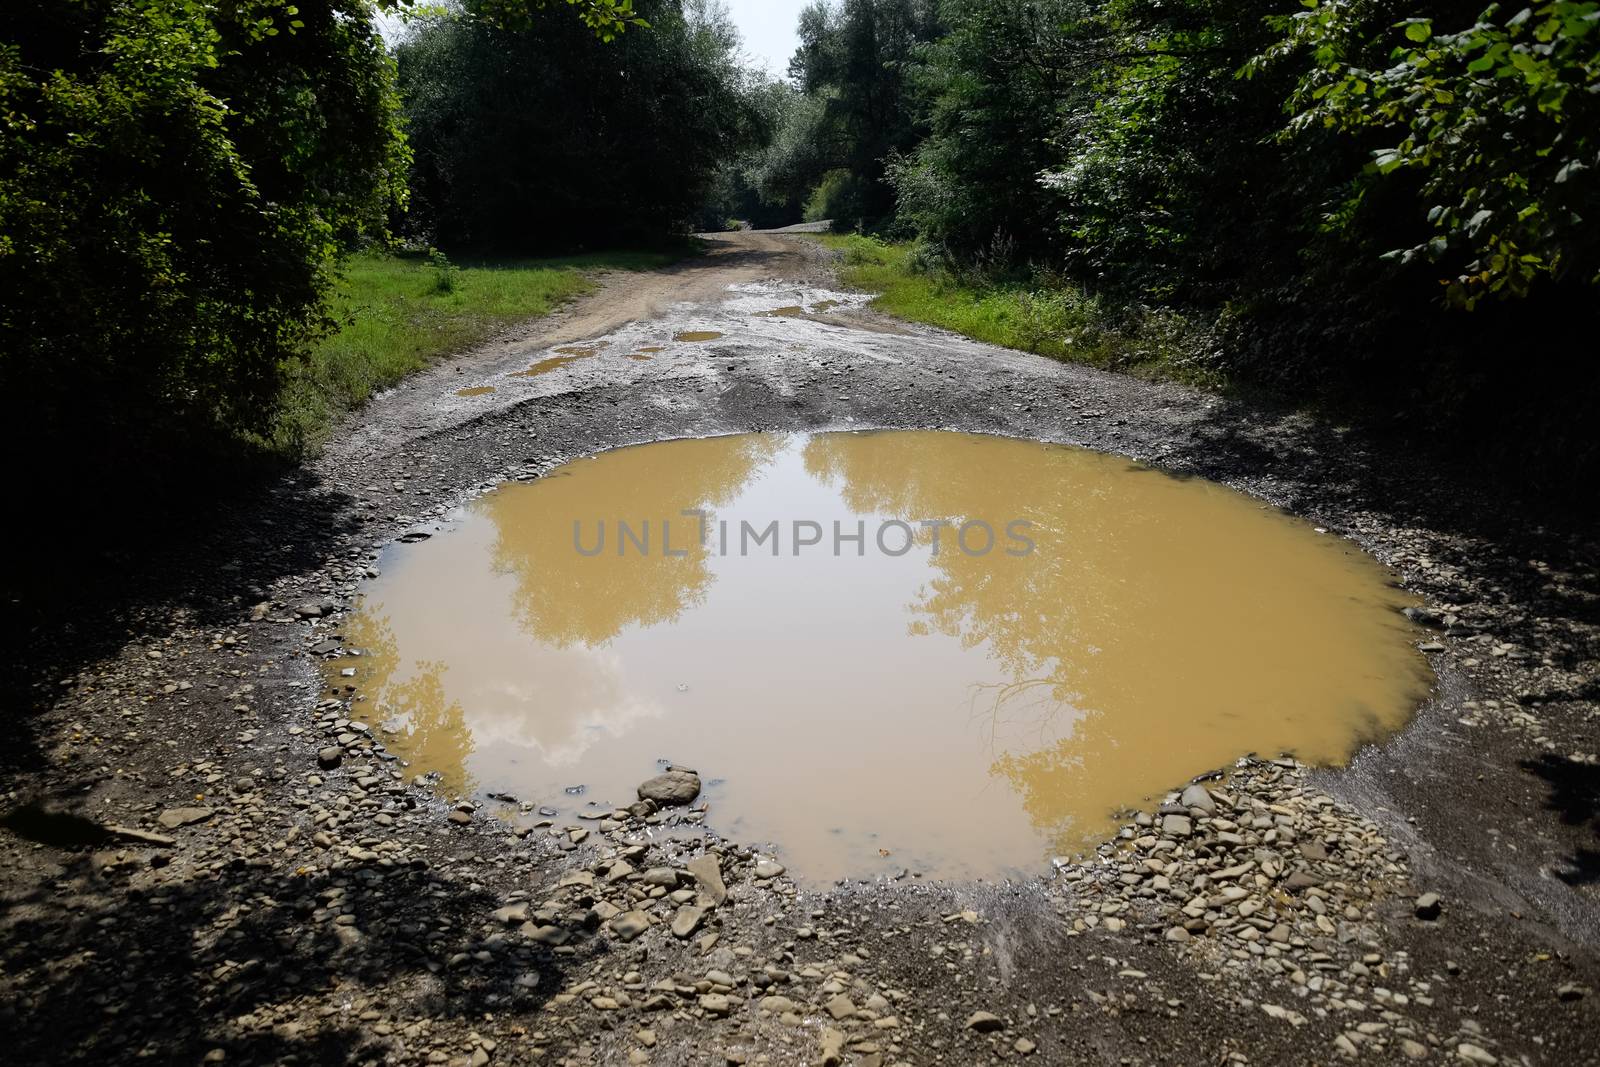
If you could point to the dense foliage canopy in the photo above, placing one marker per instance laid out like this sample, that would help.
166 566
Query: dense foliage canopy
1358 199
544 137
175 180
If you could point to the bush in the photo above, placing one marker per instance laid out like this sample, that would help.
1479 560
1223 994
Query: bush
833 198
446 275
176 181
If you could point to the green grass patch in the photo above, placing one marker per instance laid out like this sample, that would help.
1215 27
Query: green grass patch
1042 313
397 313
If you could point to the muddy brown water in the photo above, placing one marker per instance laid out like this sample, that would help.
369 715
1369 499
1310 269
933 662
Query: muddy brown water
874 705
476 390
696 335
566 355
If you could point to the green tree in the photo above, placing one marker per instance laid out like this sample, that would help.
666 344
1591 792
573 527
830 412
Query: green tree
993 90
854 60
1499 120
176 178
543 137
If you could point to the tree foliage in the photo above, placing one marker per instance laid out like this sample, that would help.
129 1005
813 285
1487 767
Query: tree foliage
175 179
852 64
542 136
1500 119
1367 200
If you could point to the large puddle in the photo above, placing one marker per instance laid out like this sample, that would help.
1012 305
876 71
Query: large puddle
1089 634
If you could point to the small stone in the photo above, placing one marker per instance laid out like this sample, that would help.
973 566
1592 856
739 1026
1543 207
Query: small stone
769 869
1024 1047
707 870
673 787
1198 796
330 757
1570 991
687 920
1177 934
1428 906
841 1007
832 1042
1473 1054
173 818
665 877
983 1022
1176 825
512 914
460 818
546 935
715 1004
143 837
630 924
1413 1050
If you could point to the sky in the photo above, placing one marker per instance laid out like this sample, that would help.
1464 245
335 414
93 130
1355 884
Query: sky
767 27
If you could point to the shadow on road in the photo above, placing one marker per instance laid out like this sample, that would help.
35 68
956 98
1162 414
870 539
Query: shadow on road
120 563
1575 796
241 960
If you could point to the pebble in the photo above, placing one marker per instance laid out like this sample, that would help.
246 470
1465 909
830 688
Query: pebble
984 1022
687 920
1176 826
173 818
671 788
707 870
1197 796
630 924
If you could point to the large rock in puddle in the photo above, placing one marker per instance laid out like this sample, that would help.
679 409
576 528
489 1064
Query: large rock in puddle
677 786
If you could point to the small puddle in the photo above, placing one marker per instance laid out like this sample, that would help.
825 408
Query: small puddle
476 390
652 348
696 335
565 355
823 305
639 357
868 704
793 311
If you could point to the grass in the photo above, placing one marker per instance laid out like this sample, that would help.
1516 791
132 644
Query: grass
1042 313
398 313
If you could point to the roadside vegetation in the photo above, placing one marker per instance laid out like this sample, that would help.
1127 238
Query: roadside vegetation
1367 207
396 313
199 203
1034 312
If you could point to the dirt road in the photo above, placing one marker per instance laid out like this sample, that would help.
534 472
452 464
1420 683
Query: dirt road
213 862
